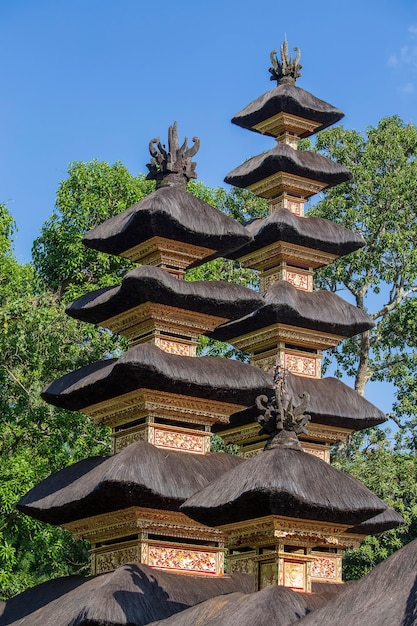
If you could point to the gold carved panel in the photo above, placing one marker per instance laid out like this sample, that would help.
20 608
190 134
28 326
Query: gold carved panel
183 559
286 122
294 574
281 251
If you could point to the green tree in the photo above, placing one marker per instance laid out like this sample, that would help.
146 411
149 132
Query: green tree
380 203
387 466
38 343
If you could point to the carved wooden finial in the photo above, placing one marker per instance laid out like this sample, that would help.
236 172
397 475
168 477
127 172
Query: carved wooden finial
278 413
175 166
288 69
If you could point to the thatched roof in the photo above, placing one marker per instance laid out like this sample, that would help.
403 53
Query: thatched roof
146 366
172 213
133 595
140 475
331 402
387 596
288 99
152 284
283 158
316 233
273 605
384 521
285 304
283 481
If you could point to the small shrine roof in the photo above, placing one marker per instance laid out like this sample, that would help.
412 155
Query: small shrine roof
283 481
285 304
385 596
311 232
146 366
172 213
152 284
386 520
140 475
283 158
132 594
275 605
331 403
292 100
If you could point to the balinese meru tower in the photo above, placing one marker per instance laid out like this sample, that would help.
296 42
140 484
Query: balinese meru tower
162 499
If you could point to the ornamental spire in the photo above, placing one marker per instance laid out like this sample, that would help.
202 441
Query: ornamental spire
278 414
172 167
288 69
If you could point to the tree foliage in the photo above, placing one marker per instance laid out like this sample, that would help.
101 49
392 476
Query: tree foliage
380 203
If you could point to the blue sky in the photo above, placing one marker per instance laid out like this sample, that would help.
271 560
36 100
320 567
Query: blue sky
85 79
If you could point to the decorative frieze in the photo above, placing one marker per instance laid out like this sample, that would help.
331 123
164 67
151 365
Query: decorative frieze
325 568
141 522
150 403
275 185
300 278
173 256
273 336
274 254
286 201
172 329
282 123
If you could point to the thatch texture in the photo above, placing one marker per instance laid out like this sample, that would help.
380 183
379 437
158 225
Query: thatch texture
172 213
384 521
283 158
277 606
316 233
133 595
285 304
331 402
288 99
140 475
146 366
152 284
387 596
286 482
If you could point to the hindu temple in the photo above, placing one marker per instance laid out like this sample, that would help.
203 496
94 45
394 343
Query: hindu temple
179 534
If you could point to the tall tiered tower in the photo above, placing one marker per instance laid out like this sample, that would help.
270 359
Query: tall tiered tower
161 499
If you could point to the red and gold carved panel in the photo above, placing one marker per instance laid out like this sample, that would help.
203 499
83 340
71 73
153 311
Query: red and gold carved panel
183 559
300 280
302 364
324 568
175 440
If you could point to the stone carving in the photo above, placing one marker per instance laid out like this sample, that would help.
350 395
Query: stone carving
175 166
279 413
288 69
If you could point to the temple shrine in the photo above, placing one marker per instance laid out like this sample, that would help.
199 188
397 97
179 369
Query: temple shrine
162 511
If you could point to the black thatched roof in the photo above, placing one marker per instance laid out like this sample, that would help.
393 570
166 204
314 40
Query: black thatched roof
146 366
152 284
140 475
277 606
283 481
288 99
172 213
387 596
283 158
331 403
133 595
285 304
384 521
316 233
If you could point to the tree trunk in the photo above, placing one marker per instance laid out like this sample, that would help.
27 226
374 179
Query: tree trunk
362 375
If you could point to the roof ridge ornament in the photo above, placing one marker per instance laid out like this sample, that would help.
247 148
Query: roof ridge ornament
279 414
286 71
172 167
